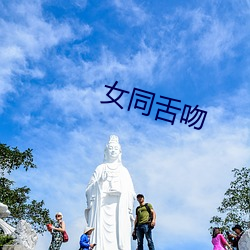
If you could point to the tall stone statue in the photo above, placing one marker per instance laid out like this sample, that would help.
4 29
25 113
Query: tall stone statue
110 197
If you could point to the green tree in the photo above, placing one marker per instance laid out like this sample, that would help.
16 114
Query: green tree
235 207
17 199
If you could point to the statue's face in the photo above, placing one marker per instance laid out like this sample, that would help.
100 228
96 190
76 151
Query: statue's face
114 150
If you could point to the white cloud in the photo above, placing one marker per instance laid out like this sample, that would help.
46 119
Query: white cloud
72 100
131 12
84 102
143 64
26 39
198 20
106 67
199 33
240 99
80 3
217 42
32 33
139 66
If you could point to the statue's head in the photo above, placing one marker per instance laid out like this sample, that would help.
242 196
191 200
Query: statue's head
113 150
4 211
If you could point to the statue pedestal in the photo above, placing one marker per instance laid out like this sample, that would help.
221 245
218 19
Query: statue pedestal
13 247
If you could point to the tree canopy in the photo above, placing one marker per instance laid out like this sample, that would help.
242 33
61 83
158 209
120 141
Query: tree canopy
12 159
17 199
235 207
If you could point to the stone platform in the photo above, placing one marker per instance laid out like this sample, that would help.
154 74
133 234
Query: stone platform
13 247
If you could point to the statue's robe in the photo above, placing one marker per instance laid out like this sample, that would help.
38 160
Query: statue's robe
110 197
244 242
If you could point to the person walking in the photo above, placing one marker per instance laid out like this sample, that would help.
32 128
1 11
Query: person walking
56 231
85 239
144 223
218 240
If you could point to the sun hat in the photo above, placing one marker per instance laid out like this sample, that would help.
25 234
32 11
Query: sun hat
87 229
59 213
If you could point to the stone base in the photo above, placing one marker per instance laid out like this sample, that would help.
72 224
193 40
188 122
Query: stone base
13 247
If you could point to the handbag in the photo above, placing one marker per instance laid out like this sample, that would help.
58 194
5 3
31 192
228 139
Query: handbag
65 236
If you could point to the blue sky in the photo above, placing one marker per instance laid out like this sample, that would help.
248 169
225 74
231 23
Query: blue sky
57 57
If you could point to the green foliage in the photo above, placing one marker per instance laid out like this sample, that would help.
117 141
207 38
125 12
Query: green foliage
235 206
11 159
17 199
6 240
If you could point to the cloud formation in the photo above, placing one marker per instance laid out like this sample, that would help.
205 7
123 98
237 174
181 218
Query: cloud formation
56 59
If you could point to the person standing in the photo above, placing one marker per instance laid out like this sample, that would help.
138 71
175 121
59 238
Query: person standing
239 231
56 231
85 239
144 223
218 240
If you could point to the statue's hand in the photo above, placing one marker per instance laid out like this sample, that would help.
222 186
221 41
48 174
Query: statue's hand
90 201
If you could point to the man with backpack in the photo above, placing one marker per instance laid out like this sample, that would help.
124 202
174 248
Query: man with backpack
144 223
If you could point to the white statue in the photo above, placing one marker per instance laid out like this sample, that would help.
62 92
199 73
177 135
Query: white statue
25 235
110 197
244 242
4 212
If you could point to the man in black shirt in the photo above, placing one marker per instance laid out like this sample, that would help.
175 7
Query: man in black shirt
239 231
